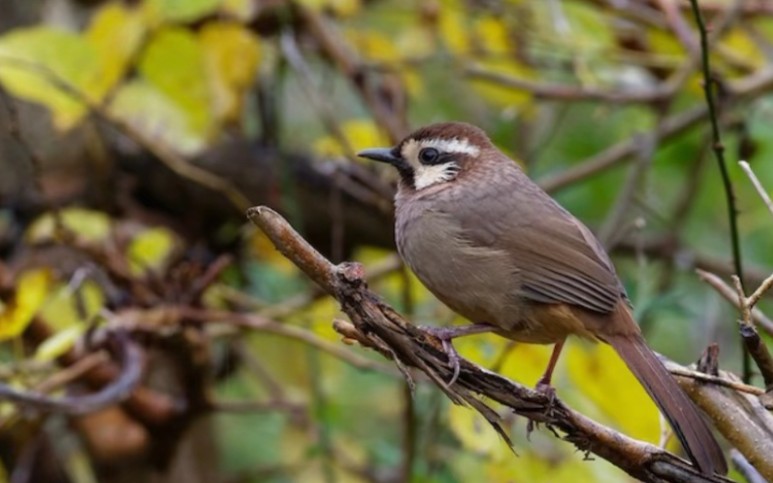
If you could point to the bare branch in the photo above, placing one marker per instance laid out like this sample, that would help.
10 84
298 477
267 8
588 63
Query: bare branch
378 326
729 294
757 184
751 338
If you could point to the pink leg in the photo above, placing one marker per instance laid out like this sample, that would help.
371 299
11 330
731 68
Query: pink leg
543 384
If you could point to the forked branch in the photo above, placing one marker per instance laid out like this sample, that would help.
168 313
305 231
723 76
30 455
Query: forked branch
376 325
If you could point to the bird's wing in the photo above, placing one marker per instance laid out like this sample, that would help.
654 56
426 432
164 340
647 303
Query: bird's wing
555 257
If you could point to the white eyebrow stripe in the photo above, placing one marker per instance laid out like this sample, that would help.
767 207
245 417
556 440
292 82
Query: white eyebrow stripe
455 145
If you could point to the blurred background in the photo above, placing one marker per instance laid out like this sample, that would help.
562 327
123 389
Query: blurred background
134 134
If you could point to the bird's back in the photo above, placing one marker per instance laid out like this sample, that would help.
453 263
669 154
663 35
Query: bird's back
498 248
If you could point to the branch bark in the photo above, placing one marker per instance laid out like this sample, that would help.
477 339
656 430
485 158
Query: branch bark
376 325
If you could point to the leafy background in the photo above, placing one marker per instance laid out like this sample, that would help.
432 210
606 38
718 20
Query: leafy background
113 110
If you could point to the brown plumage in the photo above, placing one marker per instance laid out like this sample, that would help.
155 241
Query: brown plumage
498 250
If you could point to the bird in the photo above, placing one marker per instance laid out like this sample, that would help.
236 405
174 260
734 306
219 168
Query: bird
495 248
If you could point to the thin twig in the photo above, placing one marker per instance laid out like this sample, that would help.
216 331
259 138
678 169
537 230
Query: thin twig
332 45
757 348
729 294
256 322
609 232
568 92
617 153
749 87
719 152
718 381
757 185
749 472
73 372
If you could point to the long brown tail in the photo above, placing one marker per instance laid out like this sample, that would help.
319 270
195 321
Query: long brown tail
682 414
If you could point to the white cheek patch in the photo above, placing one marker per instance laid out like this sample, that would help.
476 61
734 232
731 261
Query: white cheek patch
425 176
428 175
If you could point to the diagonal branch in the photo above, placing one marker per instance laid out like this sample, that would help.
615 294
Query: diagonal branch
377 326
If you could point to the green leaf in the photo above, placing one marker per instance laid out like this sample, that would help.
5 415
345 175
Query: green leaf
181 10
151 113
59 343
67 307
174 64
89 226
150 250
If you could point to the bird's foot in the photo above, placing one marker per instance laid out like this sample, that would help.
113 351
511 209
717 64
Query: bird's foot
546 390
446 335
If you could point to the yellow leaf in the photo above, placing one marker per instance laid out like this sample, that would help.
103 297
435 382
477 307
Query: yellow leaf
150 250
527 362
173 63
115 33
414 43
231 55
63 308
472 430
242 10
34 60
89 226
603 378
342 8
502 95
32 289
739 46
453 28
321 315
665 45
157 117
359 133
559 462
59 343
264 250
492 34
373 45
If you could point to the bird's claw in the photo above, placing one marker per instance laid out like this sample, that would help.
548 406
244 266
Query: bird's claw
546 390
446 335
453 360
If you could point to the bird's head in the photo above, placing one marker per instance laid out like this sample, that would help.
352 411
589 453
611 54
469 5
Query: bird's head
434 155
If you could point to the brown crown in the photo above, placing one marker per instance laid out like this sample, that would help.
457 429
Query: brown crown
450 130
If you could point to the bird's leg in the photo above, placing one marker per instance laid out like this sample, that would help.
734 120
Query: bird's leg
543 384
448 334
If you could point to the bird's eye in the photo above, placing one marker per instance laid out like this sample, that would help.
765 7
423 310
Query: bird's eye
429 155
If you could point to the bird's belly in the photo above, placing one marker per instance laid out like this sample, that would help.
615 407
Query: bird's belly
474 282
479 283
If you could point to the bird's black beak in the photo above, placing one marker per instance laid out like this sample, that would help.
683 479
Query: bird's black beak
383 155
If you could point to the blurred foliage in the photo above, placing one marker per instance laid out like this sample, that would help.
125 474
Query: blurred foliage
187 75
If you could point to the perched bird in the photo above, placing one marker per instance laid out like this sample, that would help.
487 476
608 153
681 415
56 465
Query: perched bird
498 250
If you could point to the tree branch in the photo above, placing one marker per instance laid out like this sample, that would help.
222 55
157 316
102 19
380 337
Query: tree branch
378 326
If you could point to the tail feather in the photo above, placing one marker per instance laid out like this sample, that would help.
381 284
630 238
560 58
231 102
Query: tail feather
684 417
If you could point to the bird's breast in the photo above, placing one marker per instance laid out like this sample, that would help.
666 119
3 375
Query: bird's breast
478 283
